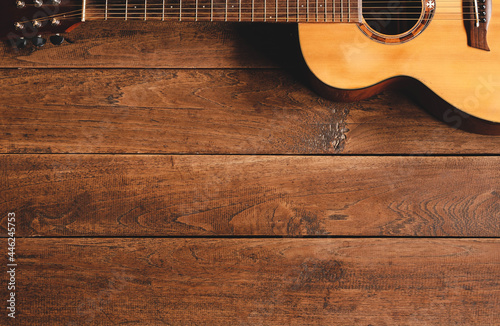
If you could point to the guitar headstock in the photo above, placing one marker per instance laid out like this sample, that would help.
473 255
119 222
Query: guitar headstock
29 19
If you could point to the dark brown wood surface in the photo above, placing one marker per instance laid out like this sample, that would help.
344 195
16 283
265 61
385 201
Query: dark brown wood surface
223 111
259 281
145 195
185 174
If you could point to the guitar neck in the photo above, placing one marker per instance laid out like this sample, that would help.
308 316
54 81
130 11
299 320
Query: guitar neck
332 11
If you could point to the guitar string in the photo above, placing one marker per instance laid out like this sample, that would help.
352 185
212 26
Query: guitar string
151 7
336 5
193 5
141 12
159 6
114 7
319 13
176 17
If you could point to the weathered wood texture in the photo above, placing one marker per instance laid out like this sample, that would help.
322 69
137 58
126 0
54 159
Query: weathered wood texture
258 281
108 195
249 98
161 45
209 111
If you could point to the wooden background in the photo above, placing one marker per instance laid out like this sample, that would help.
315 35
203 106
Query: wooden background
185 174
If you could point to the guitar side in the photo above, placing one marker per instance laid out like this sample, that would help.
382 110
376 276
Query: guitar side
347 65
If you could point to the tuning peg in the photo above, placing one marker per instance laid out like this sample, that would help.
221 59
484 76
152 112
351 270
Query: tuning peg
19 26
56 39
38 3
38 41
21 43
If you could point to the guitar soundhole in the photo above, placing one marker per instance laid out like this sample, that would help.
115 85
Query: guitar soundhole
390 17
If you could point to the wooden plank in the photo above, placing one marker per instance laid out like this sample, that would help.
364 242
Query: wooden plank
209 111
391 123
257 281
136 195
164 111
162 45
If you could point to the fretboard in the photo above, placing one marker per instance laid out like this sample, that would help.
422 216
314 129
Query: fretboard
336 11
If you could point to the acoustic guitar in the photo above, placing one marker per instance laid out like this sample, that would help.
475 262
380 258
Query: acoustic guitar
353 49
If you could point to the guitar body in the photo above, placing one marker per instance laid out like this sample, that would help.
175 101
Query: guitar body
348 65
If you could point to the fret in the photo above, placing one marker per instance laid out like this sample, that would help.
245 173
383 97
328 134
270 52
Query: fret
338 11
265 13
310 10
314 10
328 6
253 10
332 11
84 10
211 10
246 10
357 11
188 10
321 10
204 10
171 10
218 10
307 10
287 10
276 11
154 10
341 11
317 11
299 6
324 14
233 13
93 11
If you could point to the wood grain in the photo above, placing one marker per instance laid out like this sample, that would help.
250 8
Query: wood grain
165 111
205 230
258 281
391 123
136 195
163 45
209 111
